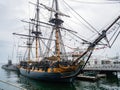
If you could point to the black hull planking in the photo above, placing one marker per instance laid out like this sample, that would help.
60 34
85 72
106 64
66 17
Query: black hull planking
45 76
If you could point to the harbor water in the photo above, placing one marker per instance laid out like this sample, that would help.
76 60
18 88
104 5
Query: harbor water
11 80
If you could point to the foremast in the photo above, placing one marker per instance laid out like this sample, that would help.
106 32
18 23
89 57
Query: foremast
37 32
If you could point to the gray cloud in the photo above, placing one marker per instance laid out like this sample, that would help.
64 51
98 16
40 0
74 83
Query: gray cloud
12 11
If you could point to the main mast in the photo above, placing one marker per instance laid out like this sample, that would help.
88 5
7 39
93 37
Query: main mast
57 21
57 34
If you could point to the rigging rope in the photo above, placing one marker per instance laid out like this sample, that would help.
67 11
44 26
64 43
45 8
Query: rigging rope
114 33
48 44
115 38
80 21
40 49
48 48
81 37
82 18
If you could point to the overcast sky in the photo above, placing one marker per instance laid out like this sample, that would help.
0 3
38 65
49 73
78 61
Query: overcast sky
12 11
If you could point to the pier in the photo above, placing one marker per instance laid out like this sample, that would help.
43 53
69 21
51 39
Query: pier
90 78
106 68
12 86
101 71
109 70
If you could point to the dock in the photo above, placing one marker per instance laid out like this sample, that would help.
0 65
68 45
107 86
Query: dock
105 68
11 86
90 78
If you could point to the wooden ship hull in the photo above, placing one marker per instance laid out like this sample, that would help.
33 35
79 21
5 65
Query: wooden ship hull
45 76
61 74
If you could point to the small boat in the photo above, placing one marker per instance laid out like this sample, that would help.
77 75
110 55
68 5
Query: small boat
53 67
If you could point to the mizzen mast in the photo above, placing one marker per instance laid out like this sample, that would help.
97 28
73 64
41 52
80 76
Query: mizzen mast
29 45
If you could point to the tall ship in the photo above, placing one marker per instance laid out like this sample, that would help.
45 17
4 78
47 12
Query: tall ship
53 63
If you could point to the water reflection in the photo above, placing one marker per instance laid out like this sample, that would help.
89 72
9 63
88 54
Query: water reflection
102 84
112 80
86 85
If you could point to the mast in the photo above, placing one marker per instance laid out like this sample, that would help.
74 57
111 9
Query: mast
57 34
37 30
57 21
29 44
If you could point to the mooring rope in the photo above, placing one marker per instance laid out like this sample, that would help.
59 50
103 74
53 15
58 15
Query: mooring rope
12 84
